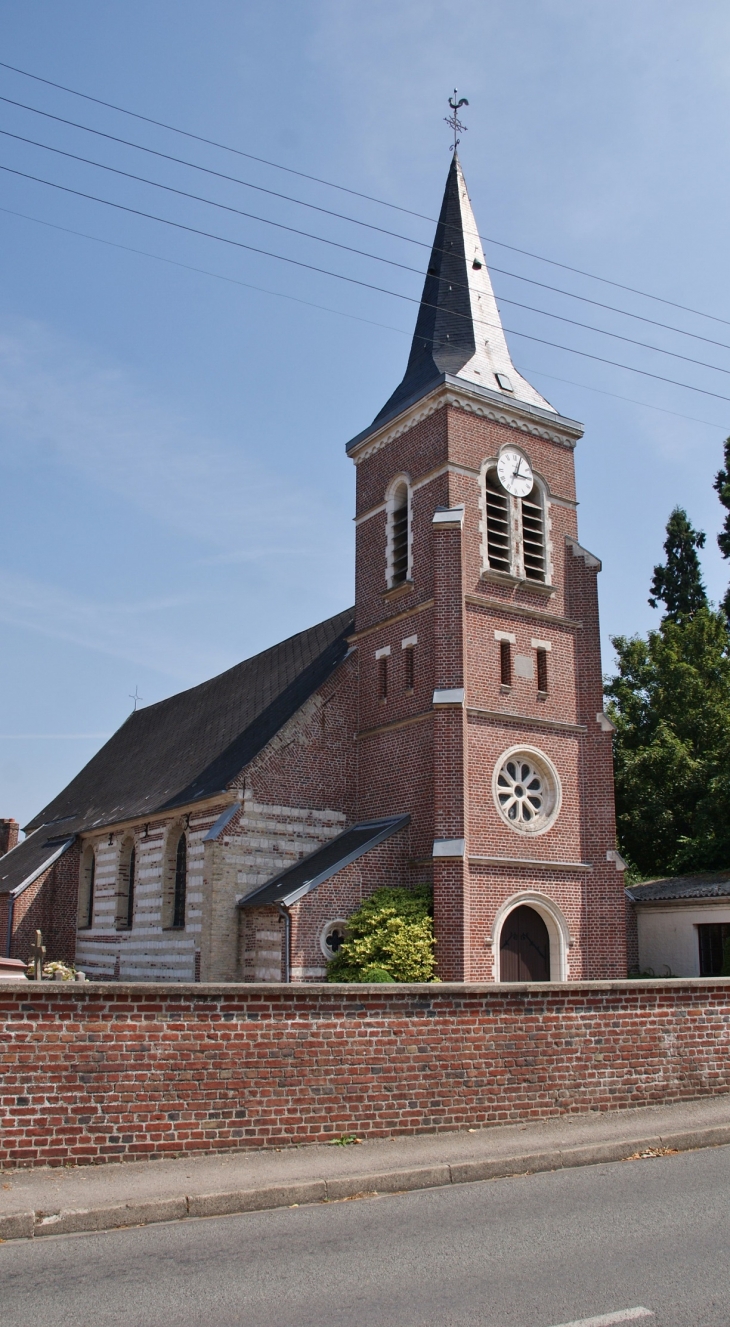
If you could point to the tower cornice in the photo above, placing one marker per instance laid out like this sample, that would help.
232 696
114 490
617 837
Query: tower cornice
448 390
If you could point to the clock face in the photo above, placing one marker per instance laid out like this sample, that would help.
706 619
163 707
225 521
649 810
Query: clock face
514 473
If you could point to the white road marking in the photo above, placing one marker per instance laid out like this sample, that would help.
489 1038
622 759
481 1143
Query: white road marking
607 1319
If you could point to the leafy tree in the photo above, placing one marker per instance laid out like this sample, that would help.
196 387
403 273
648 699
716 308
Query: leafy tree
389 938
722 488
670 702
678 584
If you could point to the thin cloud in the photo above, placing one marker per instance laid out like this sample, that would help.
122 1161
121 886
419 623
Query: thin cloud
130 631
57 398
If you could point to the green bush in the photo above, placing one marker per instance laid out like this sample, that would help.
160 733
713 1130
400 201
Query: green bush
389 938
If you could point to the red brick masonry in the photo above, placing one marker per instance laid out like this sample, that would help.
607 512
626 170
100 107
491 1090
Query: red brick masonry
106 1072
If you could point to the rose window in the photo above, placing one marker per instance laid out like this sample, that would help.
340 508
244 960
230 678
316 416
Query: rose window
526 790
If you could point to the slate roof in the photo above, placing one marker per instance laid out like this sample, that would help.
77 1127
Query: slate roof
458 328
30 858
192 745
710 884
318 866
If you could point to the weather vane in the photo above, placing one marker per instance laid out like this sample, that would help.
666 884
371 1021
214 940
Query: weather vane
453 120
136 699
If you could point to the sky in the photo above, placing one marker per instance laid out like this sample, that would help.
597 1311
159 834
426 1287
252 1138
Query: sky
174 406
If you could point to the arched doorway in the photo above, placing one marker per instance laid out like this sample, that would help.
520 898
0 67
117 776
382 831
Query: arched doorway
524 947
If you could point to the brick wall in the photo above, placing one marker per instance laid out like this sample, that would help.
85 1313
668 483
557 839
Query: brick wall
48 905
107 1072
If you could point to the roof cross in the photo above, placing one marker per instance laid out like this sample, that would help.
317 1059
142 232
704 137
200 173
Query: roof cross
135 698
453 120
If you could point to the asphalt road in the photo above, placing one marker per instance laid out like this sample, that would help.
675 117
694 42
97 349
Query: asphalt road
537 1251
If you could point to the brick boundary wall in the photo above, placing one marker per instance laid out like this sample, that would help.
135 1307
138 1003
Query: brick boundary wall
119 1071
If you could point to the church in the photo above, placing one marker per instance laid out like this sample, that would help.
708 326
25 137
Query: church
448 728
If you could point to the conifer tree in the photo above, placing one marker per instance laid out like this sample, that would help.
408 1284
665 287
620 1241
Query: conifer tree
722 488
670 703
678 583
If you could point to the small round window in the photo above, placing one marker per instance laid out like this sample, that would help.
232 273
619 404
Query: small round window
526 790
332 937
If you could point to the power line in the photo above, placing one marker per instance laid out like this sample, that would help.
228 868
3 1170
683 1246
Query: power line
199 198
630 399
203 271
362 253
219 276
355 281
611 308
355 193
221 175
340 216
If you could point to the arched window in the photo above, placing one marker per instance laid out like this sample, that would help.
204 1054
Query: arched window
398 551
181 877
499 544
86 887
125 885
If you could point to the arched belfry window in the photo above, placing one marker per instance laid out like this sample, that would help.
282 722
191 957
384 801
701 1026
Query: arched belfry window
398 556
181 881
515 539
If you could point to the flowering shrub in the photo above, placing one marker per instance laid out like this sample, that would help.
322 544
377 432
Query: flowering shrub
389 938
67 971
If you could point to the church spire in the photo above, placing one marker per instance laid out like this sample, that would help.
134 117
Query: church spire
458 329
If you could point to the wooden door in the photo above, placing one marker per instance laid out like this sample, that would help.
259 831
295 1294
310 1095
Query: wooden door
524 949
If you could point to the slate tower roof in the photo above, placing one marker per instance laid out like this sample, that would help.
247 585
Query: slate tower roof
458 329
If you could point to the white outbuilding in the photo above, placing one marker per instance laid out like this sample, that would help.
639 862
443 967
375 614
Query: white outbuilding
683 925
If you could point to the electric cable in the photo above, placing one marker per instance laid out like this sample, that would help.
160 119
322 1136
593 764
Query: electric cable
210 142
540 373
204 271
402 331
295 262
356 221
199 198
362 253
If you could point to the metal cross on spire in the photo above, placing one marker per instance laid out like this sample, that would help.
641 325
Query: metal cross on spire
453 120
135 698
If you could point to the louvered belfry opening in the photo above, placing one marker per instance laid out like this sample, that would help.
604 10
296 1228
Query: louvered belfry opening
533 537
400 537
498 540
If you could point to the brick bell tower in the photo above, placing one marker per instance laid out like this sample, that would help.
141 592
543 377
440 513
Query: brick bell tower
480 696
